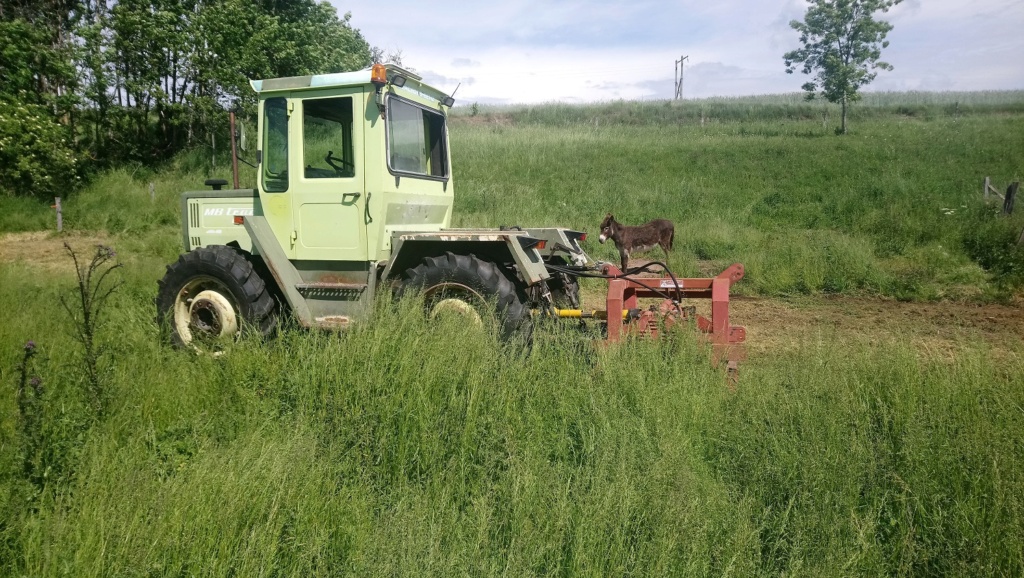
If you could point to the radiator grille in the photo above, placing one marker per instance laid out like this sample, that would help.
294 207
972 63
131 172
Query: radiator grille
193 214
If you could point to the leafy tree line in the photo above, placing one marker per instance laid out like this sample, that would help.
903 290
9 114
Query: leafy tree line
90 83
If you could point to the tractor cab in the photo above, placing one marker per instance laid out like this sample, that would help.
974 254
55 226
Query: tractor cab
348 159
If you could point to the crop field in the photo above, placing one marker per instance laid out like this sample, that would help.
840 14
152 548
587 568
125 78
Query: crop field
877 428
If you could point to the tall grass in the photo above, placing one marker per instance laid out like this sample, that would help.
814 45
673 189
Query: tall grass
894 208
407 448
121 201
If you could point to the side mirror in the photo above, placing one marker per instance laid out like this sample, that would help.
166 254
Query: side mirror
243 142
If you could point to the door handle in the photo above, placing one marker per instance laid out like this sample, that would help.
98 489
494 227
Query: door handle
349 198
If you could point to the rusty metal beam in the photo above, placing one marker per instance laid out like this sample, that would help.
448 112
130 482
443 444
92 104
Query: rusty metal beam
623 295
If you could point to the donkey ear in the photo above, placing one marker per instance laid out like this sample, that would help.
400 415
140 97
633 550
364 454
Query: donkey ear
609 216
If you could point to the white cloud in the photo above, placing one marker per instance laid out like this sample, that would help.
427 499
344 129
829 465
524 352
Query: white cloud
577 51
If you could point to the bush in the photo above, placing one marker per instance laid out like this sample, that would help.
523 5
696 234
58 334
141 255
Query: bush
36 158
992 243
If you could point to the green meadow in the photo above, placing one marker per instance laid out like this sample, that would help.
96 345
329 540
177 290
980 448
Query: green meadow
407 448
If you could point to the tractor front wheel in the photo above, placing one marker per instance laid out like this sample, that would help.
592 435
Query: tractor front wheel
210 295
467 286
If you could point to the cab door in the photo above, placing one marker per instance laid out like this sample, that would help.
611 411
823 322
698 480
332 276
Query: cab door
329 201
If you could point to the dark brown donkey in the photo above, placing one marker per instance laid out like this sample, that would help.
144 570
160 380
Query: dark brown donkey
628 239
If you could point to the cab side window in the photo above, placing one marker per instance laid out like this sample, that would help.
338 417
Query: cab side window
327 148
275 145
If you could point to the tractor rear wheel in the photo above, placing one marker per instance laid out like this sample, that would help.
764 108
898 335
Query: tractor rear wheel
210 295
468 286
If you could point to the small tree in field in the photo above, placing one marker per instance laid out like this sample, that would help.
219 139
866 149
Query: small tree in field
842 44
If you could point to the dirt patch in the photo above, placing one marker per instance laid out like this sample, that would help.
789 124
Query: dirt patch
935 329
45 249
653 269
938 330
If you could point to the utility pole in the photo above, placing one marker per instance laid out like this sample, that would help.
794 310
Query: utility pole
679 77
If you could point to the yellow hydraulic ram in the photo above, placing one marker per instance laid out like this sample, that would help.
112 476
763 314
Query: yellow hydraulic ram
590 314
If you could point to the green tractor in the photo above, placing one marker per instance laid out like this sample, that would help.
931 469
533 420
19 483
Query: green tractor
354 200
354 195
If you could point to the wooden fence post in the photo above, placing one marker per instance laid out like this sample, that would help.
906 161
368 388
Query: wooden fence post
984 188
989 188
1011 194
152 193
60 215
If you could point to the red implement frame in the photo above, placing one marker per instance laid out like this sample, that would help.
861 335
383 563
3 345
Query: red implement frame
725 339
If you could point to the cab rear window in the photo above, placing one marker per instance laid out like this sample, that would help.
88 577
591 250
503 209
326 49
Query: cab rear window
416 140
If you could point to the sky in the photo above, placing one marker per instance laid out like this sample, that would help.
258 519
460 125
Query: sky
533 51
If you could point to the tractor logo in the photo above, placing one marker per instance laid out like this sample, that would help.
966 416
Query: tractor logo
230 212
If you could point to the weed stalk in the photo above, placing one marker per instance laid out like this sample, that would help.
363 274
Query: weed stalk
95 286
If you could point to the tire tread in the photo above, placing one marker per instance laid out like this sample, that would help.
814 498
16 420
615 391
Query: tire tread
257 308
483 276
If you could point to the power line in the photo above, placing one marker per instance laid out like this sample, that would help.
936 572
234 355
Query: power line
679 77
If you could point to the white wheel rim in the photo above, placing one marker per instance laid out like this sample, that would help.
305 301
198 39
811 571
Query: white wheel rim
454 306
208 313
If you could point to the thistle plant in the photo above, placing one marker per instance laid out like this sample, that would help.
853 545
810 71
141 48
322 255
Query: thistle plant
95 286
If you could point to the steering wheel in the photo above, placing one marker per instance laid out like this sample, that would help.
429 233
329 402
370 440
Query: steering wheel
330 158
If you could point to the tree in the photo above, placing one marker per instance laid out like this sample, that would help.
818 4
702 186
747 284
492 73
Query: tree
842 44
380 56
243 40
37 157
88 83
